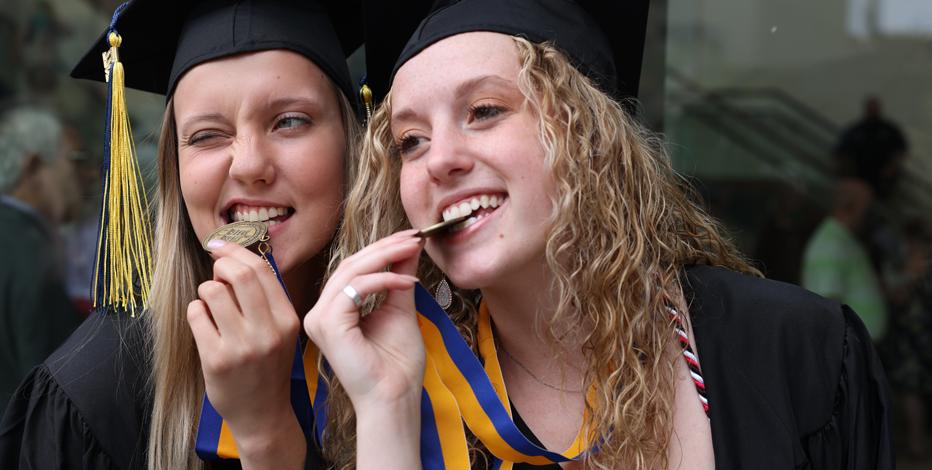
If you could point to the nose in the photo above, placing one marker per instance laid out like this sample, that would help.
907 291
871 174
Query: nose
251 161
448 156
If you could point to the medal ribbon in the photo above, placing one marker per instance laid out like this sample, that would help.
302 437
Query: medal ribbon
481 399
458 389
214 439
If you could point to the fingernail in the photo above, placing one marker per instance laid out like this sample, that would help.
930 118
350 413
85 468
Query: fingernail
215 243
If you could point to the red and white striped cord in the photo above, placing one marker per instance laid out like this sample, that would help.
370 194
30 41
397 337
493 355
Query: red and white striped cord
692 362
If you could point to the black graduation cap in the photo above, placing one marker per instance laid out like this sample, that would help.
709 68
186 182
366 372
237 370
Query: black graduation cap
387 29
162 39
603 38
149 45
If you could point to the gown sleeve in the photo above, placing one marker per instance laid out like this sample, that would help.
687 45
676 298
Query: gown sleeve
858 434
42 428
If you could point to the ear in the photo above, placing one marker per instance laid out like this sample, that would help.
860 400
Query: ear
31 165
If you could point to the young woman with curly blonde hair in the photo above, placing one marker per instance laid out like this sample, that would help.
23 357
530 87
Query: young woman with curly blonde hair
615 301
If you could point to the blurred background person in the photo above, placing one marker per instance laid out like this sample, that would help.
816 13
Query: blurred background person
79 234
909 346
36 187
873 149
837 265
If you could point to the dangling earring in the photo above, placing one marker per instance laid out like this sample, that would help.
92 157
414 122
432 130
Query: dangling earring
443 294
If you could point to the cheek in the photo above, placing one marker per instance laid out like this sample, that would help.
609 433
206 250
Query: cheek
192 188
201 184
315 168
413 195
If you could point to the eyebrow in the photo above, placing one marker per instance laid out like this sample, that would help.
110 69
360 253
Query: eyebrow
206 117
277 103
289 101
460 90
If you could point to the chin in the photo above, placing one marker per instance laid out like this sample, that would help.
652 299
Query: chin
470 279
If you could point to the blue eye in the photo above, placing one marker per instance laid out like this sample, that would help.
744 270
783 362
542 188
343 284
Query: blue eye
291 122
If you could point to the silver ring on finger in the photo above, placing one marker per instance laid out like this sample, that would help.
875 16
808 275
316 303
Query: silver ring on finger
353 295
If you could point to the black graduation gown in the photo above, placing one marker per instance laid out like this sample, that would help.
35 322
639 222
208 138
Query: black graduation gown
88 405
36 315
792 378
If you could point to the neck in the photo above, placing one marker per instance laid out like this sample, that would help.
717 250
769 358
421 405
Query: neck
305 281
517 306
848 220
27 193
517 301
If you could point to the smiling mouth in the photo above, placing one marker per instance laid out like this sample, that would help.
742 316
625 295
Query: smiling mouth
271 215
475 208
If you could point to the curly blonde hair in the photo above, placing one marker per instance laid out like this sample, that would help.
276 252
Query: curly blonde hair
624 226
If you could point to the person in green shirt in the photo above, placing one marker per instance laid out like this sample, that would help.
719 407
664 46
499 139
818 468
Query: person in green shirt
836 264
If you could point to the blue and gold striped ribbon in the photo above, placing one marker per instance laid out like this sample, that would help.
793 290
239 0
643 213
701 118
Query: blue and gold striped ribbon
479 392
458 389
214 439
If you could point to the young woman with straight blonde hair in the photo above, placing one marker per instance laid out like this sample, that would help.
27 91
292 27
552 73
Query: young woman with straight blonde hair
260 126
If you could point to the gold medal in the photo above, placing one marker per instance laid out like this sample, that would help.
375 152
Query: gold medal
442 227
243 233
251 235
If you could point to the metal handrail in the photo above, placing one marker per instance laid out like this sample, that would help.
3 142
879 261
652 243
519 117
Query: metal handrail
723 99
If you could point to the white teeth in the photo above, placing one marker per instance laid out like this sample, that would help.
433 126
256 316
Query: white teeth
256 214
467 207
466 223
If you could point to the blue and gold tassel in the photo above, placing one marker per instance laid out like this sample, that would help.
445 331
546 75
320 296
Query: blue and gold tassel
124 257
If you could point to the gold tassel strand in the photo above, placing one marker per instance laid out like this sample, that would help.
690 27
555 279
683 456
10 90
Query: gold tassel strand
123 246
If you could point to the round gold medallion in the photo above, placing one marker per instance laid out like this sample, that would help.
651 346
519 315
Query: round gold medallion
243 233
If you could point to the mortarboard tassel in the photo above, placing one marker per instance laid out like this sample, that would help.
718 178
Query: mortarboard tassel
365 95
124 258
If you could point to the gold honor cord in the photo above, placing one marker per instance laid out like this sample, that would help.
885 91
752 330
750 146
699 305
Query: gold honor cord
122 274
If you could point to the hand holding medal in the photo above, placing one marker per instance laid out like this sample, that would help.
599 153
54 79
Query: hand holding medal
380 357
245 329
